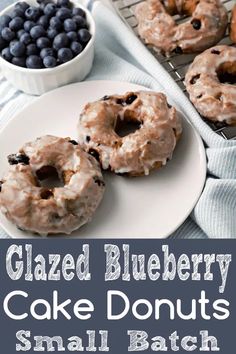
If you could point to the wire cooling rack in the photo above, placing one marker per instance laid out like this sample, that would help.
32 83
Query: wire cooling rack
176 65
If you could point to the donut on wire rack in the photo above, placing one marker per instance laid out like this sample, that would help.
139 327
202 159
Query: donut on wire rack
233 25
210 83
205 28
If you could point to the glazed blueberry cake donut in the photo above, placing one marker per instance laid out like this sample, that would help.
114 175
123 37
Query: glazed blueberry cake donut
204 29
51 210
157 125
233 25
209 82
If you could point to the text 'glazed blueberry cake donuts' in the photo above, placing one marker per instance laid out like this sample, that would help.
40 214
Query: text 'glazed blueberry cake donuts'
205 28
210 84
32 207
104 130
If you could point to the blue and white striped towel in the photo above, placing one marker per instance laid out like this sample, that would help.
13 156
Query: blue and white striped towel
121 56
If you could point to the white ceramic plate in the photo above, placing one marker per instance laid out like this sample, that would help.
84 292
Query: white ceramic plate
143 207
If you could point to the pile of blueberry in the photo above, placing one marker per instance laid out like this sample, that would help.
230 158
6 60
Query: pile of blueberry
43 36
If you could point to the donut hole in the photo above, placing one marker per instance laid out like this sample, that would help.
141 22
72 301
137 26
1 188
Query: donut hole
187 7
126 126
226 74
49 178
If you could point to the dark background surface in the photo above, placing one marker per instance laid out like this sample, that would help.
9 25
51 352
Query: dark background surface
96 289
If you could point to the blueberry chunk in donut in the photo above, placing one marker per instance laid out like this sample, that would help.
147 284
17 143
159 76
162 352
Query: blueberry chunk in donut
196 24
94 153
130 99
46 194
130 134
73 142
31 198
14 159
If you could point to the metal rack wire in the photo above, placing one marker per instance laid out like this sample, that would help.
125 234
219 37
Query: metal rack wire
176 65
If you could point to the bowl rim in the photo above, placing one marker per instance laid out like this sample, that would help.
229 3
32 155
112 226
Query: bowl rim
61 66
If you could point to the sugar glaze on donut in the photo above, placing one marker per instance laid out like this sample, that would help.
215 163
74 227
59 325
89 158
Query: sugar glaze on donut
233 25
204 29
51 210
213 99
148 147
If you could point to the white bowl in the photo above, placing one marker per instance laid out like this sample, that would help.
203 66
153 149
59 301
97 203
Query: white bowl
39 81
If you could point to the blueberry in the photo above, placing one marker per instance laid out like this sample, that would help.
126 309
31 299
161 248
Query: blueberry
64 55
43 3
84 35
43 42
60 41
46 52
17 49
25 38
14 159
73 142
16 23
55 23
43 21
78 11
80 21
22 5
20 32
52 32
8 34
76 48
32 13
6 54
178 50
63 3
50 62
70 25
63 13
19 61
34 62
37 32
28 25
13 42
72 36
31 49
4 21
50 9
18 13
196 24
3 43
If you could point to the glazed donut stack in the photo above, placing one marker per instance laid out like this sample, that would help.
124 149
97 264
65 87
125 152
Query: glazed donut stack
211 77
34 206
